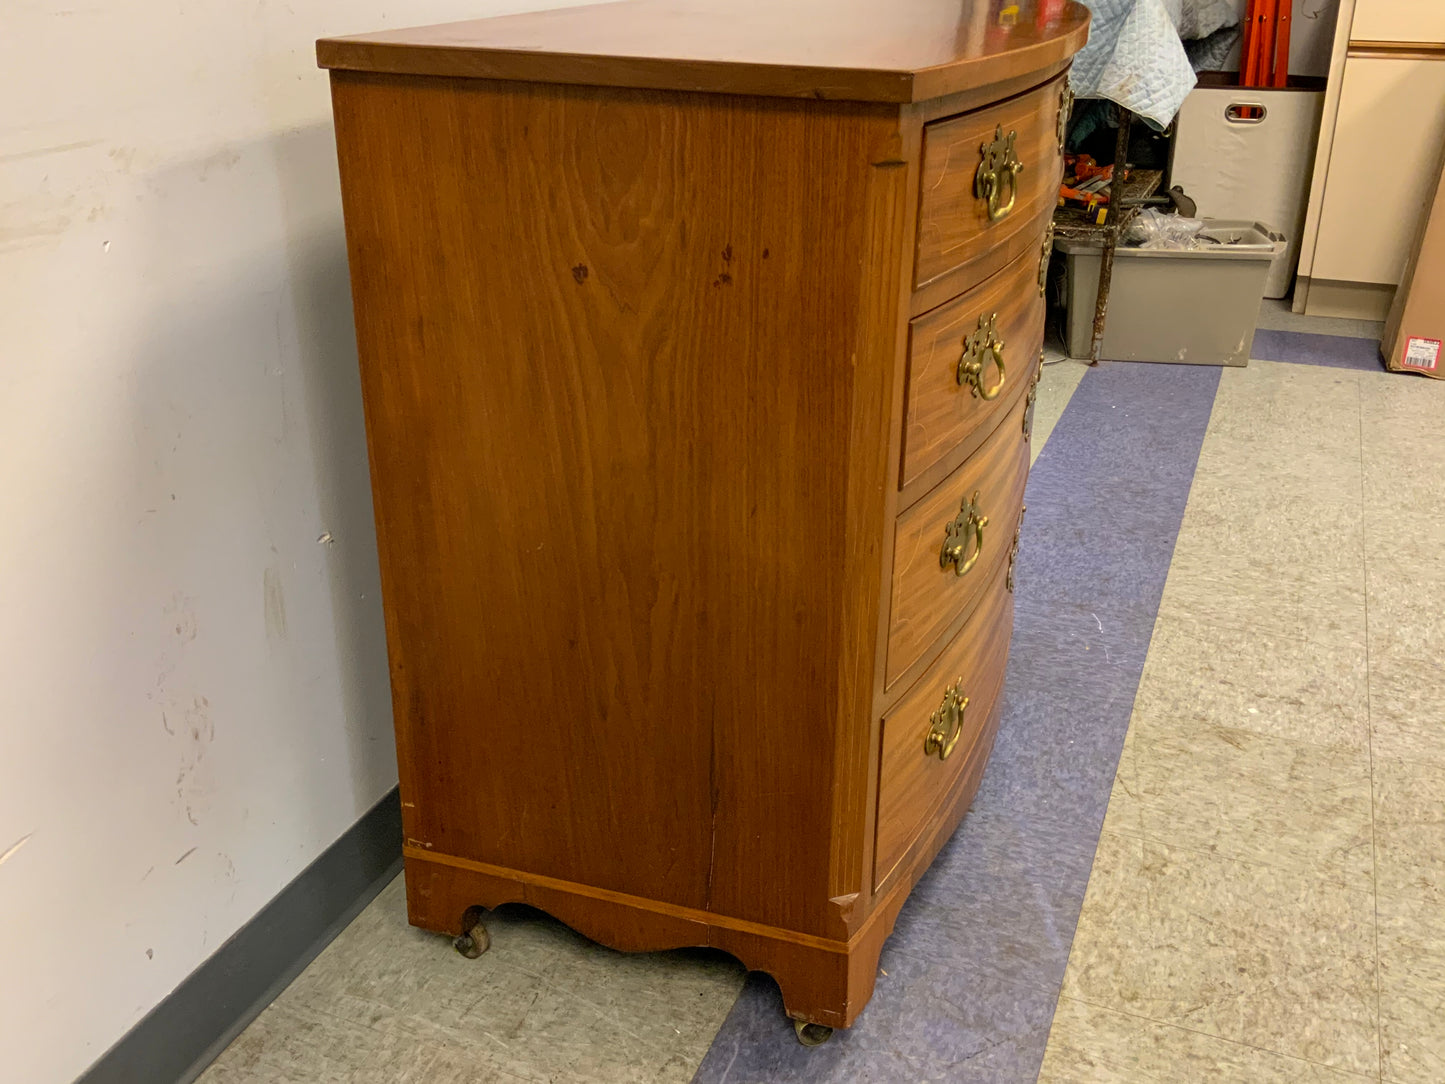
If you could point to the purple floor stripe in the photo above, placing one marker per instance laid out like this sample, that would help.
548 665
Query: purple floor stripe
1306 348
974 965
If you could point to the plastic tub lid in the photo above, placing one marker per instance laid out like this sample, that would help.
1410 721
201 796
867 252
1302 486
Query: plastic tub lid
1238 239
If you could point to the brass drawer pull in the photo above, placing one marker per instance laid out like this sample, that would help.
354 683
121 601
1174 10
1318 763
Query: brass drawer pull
1000 165
1048 250
982 340
1031 399
1013 553
945 726
964 533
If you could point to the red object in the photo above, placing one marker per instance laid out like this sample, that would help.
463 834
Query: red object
1246 45
1264 47
1281 44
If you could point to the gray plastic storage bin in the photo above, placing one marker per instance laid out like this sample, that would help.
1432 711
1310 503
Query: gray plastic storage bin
1198 307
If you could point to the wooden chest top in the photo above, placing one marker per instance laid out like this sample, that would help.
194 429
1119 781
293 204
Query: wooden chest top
855 50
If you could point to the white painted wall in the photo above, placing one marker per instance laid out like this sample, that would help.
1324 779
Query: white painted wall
194 700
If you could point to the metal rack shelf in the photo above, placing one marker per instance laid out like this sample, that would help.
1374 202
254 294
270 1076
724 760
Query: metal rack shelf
1127 191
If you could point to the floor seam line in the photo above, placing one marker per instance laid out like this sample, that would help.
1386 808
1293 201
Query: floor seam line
1370 736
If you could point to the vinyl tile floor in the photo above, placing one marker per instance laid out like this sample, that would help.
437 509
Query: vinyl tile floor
1264 900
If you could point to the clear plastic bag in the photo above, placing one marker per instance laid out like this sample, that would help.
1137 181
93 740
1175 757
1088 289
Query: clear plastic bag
1153 228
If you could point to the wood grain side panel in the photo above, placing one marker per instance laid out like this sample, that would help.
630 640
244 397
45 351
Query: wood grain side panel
927 596
913 785
955 234
613 355
940 414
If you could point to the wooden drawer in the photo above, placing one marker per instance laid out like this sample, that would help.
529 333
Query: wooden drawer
956 233
945 404
914 779
930 594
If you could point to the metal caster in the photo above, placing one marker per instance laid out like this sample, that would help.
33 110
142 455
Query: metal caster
474 939
812 1034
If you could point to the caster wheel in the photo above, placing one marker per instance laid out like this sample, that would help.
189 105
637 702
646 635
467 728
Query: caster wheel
812 1034
473 941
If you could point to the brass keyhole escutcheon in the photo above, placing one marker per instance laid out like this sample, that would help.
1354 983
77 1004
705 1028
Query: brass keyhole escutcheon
1048 250
963 537
980 345
998 170
945 726
1013 553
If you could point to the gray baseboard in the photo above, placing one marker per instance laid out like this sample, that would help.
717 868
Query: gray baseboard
182 1035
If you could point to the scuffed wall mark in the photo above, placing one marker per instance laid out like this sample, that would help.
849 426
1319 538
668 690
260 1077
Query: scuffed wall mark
166 724
222 160
14 848
147 873
183 857
273 598
197 731
42 152
150 954
25 234
181 611
230 874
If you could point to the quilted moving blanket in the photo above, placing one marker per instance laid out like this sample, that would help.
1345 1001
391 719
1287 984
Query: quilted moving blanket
1135 56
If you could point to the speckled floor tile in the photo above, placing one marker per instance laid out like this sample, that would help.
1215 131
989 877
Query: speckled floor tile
1265 461
1412 986
1258 591
1410 827
1407 606
1318 541
1248 796
1289 407
1407 707
1244 952
1092 1045
388 1003
1402 409
1254 678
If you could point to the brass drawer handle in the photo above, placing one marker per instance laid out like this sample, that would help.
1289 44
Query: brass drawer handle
1013 553
983 340
1048 250
1031 399
945 726
999 165
963 537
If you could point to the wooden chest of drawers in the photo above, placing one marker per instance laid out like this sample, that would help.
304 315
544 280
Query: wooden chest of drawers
698 348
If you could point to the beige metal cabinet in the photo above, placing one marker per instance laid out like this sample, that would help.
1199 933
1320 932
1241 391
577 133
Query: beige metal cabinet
1399 21
1380 141
1388 136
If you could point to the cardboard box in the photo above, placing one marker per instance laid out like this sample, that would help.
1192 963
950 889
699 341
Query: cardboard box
1415 328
